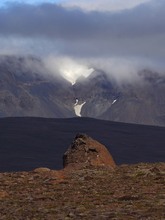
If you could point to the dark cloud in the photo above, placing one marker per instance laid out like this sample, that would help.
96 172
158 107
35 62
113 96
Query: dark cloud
54 21
137 32
46 20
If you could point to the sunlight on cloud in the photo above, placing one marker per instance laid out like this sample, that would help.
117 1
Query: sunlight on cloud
70 69
103 5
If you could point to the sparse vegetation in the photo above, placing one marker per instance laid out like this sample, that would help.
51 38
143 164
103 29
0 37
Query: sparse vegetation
127 192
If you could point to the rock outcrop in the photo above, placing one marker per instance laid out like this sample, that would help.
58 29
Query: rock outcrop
86 152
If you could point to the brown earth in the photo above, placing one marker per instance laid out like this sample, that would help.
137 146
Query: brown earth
127 192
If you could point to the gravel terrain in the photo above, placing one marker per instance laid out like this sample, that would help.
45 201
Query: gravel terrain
127 192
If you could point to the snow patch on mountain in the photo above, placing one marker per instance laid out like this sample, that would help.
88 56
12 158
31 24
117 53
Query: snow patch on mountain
76 102
114 101
78 107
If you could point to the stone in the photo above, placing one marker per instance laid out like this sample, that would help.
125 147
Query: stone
86 152
3 194
42 170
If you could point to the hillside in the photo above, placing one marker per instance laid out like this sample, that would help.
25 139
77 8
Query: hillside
127 192
29 88
27 143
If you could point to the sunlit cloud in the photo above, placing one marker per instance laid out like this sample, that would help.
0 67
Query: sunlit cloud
103 5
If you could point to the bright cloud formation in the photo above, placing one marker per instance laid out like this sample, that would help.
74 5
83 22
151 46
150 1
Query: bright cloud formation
103 5
68 68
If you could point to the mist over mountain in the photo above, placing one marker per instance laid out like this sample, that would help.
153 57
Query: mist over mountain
101 59
28 88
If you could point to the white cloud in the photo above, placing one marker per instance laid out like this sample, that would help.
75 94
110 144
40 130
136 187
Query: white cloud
118 68
103 5
70 69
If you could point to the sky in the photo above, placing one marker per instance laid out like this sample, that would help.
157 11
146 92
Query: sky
118 36
34 2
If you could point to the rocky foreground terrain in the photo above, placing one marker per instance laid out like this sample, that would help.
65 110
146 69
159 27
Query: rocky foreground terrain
127 192
94 189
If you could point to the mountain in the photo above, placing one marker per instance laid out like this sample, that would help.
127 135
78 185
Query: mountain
140 102
98 93
27 88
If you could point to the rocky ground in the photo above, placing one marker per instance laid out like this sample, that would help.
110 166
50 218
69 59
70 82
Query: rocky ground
126 192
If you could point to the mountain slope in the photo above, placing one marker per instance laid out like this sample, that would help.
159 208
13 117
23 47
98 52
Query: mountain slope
140 102
27 143
27 88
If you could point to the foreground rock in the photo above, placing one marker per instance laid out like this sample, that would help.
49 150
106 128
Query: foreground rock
87 152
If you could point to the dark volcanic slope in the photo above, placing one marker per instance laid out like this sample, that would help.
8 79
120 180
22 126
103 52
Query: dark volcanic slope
27 143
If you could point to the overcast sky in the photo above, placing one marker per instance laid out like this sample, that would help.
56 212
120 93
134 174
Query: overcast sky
106 33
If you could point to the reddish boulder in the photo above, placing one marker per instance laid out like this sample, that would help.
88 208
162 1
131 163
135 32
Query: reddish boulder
87 152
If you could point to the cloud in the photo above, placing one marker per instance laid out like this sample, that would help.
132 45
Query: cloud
69 68
118 40
117 68
56 22
103 5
